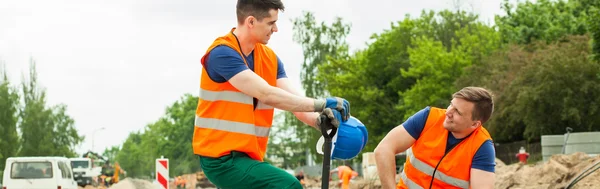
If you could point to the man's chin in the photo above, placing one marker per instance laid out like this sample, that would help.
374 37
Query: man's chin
446 127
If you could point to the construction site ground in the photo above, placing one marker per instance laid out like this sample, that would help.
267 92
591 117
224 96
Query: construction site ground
556 173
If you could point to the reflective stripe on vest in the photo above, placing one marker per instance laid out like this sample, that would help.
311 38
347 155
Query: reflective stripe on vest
428 170
231 126
408 182
231 96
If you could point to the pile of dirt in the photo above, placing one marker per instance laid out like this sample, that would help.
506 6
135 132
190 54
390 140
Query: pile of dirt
195 180
123 184
356 183
556 173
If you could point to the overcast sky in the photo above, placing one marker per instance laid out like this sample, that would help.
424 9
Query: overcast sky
118 64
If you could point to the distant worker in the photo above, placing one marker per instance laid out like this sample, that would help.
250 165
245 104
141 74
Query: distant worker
450 145
300 177
522 155
345 174
241 83
180 182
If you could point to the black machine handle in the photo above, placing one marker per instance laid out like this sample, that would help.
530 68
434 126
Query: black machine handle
326 123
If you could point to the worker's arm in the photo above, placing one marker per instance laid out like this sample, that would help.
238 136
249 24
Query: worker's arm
251 84
309 118
225 64
396 141
482 179
483 166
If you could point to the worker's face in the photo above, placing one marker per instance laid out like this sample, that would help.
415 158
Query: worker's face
261 30
459 116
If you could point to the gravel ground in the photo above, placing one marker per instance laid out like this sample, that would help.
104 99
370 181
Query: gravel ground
127 183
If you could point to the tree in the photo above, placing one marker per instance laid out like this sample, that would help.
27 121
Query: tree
544 20
408 67
111 153
562 79
170 136
320 42
9 102
285 144
540 89
435 68
594 27
130 157
45 131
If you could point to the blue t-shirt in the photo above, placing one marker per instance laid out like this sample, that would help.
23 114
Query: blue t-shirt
484 158
223 63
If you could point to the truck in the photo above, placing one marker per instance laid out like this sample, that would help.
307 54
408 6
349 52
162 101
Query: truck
103 172
84 171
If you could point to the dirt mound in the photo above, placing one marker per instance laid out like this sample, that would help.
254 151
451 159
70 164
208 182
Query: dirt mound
195 180
355 183
557 173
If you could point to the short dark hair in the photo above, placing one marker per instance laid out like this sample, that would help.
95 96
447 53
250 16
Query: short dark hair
483 99
257 8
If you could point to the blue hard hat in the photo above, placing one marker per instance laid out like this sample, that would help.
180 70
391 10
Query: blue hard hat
350 139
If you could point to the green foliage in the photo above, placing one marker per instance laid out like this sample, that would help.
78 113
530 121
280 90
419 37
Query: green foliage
170 136
111 153
545 20
28 127
320 43
9 102
543 89
417 56
435 68
287 142
45 131
594 27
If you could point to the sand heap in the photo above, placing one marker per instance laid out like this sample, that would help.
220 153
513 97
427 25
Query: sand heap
557 173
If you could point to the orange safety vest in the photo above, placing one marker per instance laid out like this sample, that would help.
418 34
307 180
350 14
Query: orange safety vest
226 119
454 170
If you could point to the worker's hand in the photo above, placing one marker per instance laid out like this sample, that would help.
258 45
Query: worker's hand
332 119
337 103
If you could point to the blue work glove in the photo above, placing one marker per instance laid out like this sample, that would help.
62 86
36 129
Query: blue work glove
332 120
337 103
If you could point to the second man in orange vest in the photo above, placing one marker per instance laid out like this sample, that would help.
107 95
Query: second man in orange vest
450 148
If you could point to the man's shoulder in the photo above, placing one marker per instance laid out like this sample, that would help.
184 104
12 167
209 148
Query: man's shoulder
223 50
437 110
486 149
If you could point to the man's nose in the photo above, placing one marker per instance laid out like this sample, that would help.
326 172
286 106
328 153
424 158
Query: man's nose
275 28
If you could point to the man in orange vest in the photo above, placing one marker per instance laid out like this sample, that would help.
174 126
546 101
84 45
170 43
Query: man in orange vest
242 81
345 174
450 147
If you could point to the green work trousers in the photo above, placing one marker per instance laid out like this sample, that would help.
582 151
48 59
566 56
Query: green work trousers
238 170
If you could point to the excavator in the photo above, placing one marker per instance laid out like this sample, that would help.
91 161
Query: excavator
110 172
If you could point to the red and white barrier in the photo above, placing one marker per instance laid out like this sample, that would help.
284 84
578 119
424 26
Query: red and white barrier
162 173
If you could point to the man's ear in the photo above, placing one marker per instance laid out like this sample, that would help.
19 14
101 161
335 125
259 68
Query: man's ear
251 20
476 124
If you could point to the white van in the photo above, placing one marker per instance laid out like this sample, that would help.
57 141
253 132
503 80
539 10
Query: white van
38 173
